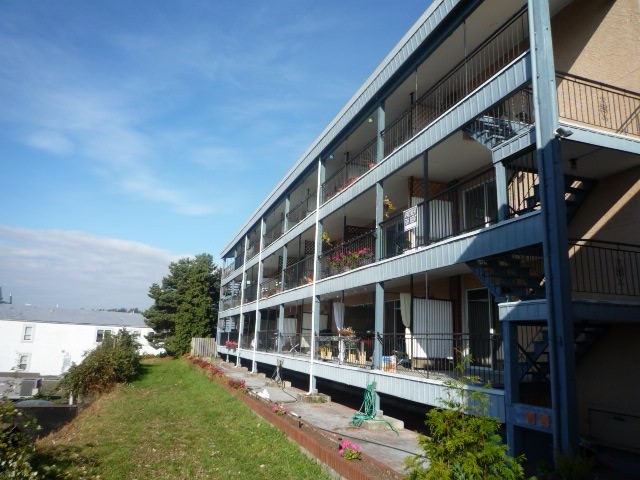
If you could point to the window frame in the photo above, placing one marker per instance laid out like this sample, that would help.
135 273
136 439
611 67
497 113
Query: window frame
32 332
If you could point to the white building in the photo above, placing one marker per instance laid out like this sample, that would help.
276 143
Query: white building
49 341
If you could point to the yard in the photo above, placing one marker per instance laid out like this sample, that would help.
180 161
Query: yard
174 423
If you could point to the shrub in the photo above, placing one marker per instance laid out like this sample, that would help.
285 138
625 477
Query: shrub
239 385
464 442
16 448
115 360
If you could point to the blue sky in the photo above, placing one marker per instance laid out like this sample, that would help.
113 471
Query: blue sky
136 133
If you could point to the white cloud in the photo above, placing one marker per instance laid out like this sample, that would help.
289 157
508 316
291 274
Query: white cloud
78 270
52 142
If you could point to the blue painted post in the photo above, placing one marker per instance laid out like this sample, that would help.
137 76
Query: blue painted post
426 225
501 191
555 244
511 382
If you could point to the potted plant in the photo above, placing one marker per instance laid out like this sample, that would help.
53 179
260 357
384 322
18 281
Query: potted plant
350 258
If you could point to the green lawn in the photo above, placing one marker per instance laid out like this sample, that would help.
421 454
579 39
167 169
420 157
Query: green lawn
174 423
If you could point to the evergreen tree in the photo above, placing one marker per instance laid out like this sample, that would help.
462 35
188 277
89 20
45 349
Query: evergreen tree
463 441
185 305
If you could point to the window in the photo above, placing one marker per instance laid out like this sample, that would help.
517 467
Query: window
27 333
23 361
101 334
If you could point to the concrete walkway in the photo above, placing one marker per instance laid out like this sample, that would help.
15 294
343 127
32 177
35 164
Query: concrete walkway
377 440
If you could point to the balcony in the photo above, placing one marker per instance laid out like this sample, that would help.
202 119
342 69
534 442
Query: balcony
469 205
352 170
271 286
604 270
599 105
300 210
354 253
298 274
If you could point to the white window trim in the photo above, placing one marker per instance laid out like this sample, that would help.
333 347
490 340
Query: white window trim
104 331
27 362
24 332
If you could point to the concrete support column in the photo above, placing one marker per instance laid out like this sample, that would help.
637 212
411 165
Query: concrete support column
501 191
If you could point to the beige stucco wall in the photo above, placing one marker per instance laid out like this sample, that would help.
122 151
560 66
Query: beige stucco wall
611 211
606 381
598 39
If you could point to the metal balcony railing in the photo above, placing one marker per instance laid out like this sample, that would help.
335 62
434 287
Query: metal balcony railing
228 268
504 120
438 355
273 233
301 209
270 286
229 301
350 350
252 250
354 253
239 259
300 273
607 268
598 104
497 51
353 169
395 239
468 205
250 292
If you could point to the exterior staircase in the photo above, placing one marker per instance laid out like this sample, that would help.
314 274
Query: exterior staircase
534 357
513 276
576 190
492 131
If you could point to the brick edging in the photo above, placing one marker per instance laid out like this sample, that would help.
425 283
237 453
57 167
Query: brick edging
305 436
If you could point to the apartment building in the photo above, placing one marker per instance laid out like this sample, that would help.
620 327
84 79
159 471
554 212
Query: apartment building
475 203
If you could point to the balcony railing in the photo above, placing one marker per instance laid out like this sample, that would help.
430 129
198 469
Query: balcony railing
395 239
229 301
301 209
497 51
504 120
353 169
250 292
597 104
270 286
239 260
300 273
606 268
252 250
469 205
438 354
354 253
228 268
273 233
345 350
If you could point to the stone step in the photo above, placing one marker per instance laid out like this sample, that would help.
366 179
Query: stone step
382 423
313 398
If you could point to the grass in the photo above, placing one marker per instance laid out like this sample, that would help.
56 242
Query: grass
174 423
